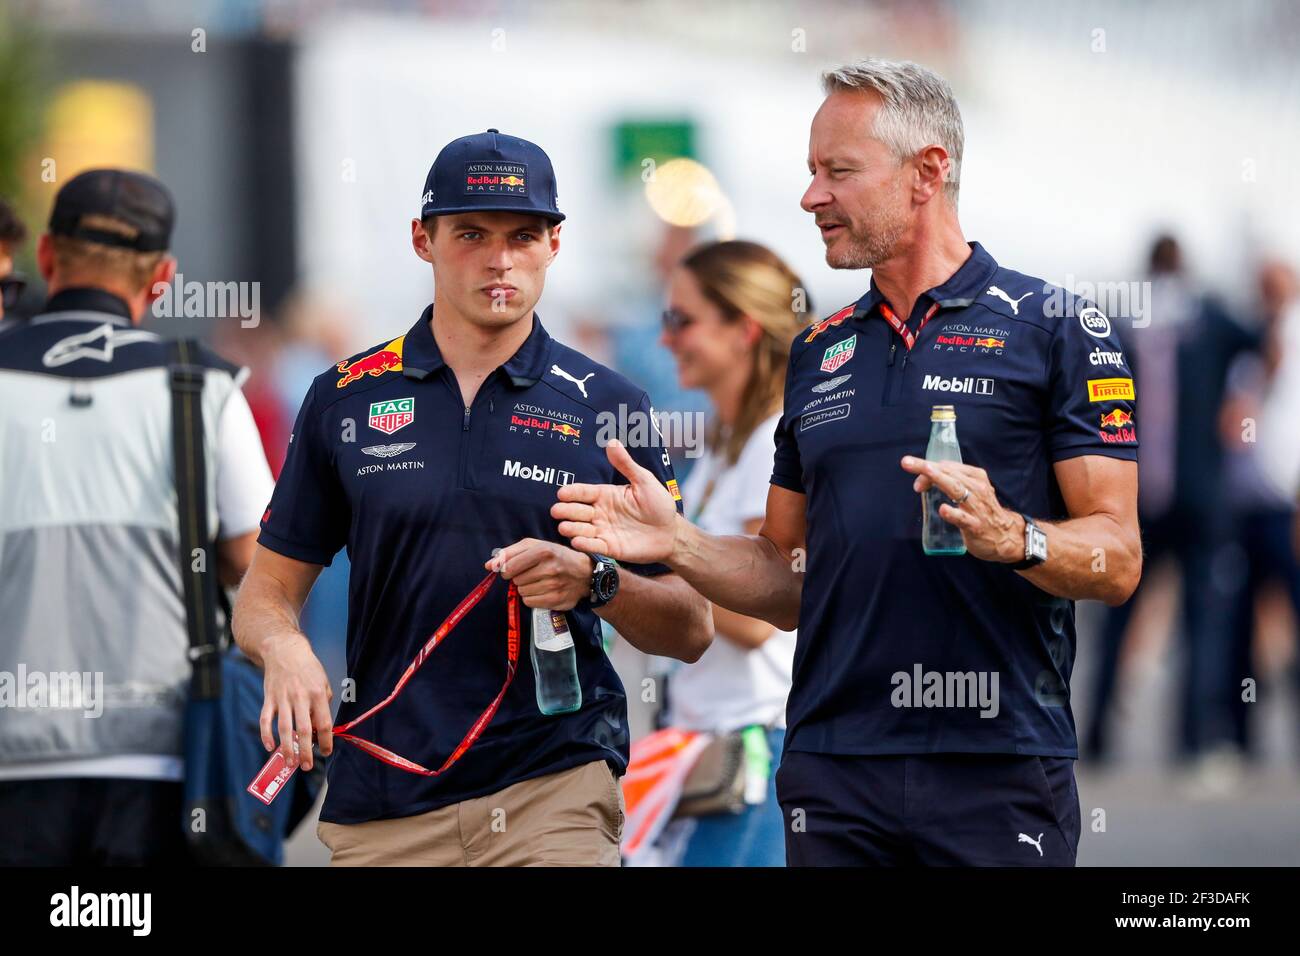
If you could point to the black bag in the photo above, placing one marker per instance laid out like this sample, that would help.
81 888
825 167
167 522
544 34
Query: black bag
224 824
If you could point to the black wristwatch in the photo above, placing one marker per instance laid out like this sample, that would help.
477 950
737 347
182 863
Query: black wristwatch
1035 546
604 580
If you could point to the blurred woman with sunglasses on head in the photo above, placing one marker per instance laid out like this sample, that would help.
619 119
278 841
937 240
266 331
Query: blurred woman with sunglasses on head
734 309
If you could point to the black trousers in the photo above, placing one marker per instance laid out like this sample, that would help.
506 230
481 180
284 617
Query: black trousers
928 810
91 821
1202 547
1265 555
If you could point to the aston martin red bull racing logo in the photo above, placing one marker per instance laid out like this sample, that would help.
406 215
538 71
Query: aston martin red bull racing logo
836 319
495 178
533 423
387 359
539 422
973 341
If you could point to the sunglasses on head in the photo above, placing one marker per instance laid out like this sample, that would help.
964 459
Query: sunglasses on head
674 321
11 288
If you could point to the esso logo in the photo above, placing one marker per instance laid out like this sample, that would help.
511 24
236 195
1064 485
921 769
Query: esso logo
1094 322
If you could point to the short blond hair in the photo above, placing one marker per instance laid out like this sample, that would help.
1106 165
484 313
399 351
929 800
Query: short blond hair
83 259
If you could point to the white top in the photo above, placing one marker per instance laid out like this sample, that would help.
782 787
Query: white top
244 482
731 687
244 485
1279 451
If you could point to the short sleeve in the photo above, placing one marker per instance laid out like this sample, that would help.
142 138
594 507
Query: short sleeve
1093 406
787 468
244 480
652 454
753 470
308 517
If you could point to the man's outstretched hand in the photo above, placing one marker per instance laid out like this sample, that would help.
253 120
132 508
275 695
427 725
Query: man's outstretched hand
634 522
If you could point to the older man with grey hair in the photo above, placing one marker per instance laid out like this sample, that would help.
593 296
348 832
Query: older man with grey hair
929 718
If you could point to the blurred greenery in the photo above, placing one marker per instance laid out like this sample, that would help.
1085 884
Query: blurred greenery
23 94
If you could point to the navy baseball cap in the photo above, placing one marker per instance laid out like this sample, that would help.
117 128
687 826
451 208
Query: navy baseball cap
136 199
491 172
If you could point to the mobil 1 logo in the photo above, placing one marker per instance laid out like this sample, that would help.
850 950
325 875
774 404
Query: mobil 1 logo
958 384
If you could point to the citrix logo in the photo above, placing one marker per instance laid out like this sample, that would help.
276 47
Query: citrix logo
969 385
1099 356
550 475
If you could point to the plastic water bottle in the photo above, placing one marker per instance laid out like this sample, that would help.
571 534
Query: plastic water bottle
555 664
937 535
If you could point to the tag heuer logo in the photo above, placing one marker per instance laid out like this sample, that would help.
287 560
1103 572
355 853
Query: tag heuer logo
839 353
391 415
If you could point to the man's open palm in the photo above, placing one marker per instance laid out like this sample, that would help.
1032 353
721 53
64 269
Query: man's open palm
633 522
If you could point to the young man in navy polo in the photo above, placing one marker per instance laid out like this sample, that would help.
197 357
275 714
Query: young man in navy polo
929 717
434 458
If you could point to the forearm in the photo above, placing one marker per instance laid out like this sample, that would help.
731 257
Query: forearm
1088 558
748 574
660 615
746 632
264 612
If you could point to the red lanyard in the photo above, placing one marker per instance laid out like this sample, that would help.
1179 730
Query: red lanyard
899 326
445 628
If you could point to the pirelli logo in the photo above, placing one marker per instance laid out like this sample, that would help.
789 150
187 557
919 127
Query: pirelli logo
1110 389
671 484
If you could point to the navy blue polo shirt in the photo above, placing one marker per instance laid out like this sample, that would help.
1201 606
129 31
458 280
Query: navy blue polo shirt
386 460
1036 376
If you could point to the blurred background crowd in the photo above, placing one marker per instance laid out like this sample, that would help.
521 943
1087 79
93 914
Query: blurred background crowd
1141 155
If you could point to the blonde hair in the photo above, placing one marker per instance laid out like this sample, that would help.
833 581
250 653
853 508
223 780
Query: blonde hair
747 279
82 259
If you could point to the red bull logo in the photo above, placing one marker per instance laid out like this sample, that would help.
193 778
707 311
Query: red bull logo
836 319
387 359
1122 423
566 429
512 180
1116 418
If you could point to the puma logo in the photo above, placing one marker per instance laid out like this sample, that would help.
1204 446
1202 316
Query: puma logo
1014 303
581 383
1038 844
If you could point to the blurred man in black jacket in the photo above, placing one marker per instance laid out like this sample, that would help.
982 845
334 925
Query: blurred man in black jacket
1180 363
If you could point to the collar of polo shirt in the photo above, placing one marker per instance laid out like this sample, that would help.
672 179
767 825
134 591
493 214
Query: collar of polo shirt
421 357
959 291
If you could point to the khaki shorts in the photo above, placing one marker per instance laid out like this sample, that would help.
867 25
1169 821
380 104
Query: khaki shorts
570 818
